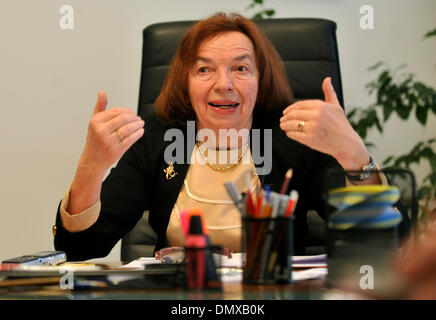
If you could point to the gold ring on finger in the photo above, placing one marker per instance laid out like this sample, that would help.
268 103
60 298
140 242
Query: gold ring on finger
300 125
119 135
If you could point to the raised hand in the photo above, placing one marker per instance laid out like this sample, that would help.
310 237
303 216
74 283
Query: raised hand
110 133
323 126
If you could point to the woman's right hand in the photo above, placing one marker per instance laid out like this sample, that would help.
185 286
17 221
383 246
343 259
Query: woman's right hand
110 134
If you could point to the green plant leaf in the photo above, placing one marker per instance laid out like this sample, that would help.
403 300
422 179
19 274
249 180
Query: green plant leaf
269 12
387 110
423 192
376 66
385 78
404 111
421 113
431 33
433 102
351 113
388 160
369 145
431 178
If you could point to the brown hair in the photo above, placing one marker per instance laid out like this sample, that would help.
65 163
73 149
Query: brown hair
173 105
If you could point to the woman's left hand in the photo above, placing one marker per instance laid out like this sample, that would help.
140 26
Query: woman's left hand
323 126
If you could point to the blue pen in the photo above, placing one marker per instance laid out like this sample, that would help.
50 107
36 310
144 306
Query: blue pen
267 192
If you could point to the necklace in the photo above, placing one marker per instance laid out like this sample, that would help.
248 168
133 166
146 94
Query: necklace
214 167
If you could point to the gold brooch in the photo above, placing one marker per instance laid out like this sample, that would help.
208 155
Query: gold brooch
170 173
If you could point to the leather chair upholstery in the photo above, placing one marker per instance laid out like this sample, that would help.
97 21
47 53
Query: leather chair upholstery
307 46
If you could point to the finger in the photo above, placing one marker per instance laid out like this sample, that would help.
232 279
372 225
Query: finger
295 126
299 136
120 121
127 142
129 129
288 108
101 102
297 114
329 91
304 104
109 114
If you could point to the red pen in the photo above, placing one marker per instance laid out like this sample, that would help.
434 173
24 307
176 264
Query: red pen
250 200
249 208
293 198
258 205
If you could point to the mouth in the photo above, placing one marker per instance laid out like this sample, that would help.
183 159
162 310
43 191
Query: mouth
224 105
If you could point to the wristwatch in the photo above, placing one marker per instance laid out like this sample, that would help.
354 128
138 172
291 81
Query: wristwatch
365 172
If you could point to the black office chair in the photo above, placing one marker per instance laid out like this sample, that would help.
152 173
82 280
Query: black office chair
307 46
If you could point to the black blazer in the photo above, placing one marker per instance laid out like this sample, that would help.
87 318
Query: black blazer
138 183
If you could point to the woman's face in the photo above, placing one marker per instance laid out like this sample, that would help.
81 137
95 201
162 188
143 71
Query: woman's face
223 83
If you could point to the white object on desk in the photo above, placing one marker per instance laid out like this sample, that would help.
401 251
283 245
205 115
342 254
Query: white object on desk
140 263
316 264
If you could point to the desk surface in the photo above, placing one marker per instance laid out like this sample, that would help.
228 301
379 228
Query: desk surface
48 287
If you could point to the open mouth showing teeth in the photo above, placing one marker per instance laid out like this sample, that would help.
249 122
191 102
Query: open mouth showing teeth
224 106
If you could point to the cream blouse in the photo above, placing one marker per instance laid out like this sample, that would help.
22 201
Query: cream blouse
204 188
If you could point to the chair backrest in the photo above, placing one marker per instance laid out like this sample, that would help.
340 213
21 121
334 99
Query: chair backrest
404 180
308 48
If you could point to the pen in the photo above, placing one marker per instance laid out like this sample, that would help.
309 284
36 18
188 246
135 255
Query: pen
266 203
267 192
293 198
236 196
266 251
255 228
260 240
285 184
291 204
258 205
250 195
249 208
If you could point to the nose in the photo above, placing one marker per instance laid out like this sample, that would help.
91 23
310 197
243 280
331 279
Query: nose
224 81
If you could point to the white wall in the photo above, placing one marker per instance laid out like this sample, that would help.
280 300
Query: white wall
49 79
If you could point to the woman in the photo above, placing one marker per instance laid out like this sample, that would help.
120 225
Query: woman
228 78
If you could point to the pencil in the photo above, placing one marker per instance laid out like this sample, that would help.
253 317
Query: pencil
285 184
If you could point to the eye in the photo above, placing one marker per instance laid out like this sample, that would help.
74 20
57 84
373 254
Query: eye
241 69
203 69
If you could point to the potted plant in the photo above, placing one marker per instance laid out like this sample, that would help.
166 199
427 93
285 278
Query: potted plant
404 95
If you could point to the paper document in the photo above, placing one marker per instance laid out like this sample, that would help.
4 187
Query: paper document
316 261
312 273
140 263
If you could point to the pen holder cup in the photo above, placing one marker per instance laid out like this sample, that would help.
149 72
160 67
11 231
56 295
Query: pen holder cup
201 267
268 246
